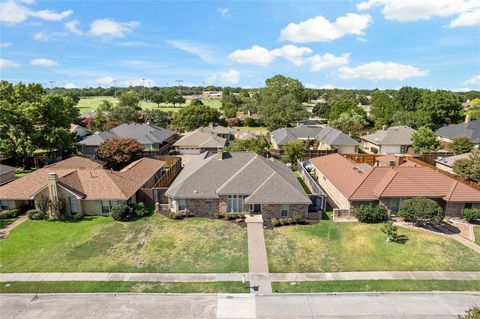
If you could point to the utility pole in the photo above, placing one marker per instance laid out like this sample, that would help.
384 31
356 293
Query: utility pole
178 83
144 92
51 83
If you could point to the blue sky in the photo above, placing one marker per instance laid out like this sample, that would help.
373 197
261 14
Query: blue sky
346 44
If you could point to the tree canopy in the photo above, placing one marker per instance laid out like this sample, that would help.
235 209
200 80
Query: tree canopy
469 168
194 116
118 151
258 145
461 145
424 140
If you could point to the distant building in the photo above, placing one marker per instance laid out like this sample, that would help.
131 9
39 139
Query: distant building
393 140
212 94
211 139
78 130
7 174
469 128
446 163
148 135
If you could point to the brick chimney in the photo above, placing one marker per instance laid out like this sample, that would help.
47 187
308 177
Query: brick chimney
52 182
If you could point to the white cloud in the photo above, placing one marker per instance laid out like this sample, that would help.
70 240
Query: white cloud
203 51
133 44
43 37
467 12
71 26
319 29
255 55
230 77
43 62
111 28
328 60
381 71
473 80
140 82
104 81
8 64
324 86
12 13
223 12
292 53
70 85
4 45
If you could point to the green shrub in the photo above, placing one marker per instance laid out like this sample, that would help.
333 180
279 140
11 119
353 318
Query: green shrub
10 213
220 215
275 222
471 214
298 218
121 212
367 213
141 210
289 220
421 209
249 122
233 216
36 214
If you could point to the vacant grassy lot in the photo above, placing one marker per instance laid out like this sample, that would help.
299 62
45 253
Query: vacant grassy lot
376 285
88 104
99 244
477 235
123 286
352 246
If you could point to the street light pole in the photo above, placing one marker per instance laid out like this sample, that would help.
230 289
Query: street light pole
144 93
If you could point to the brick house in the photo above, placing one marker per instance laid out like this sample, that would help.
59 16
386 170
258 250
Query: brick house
349 185
83 185
237 182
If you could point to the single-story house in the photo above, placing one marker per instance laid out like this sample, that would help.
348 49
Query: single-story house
212 94
349 185
7 174
78 130
237 182
150 136
392 140
328 138
469 128
83 185
446 163
211 139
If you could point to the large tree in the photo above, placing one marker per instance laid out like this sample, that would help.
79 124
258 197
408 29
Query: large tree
157 98
129 98
350 122
383 107
461 144
424 140
293 152
341 106
439 107
32 119
469 168
258 145
123 114
409 97
194 116
118 151
157 117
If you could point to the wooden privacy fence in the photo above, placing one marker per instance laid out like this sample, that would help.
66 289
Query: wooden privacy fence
168 177
308 153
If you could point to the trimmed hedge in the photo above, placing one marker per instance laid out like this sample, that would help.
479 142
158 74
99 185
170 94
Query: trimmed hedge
10 213
34 214
471 214
295 219
121 212
181 214
367 213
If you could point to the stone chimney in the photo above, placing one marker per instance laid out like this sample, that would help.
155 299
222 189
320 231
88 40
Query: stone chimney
220 154
52 182
468 118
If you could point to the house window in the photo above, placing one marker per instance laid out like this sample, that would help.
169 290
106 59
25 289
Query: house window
284 211
235 203
468 205
4 204
105 206
257 208
181 204
73 205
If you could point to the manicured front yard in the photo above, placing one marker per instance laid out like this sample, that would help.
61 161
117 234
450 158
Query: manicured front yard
352 246
5 222
99 244
123 286
376 285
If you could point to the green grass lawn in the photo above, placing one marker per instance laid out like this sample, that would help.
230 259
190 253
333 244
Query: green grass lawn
376 285
151 244
302 182
123 286
353 246
88 104
5 222
477 234
19 172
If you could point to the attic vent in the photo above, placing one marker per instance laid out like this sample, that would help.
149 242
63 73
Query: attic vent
358 171
391 163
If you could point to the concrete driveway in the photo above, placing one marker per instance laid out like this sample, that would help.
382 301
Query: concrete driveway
145 306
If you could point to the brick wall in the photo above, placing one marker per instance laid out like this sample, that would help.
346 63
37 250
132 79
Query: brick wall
270 211
455 209
202 207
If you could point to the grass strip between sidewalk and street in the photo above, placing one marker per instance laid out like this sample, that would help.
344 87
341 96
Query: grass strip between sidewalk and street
123 286
376 286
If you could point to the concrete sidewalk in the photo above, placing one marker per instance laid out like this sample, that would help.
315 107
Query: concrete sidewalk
257 256
252 277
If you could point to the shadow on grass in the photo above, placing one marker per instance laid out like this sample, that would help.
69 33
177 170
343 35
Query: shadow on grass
401 239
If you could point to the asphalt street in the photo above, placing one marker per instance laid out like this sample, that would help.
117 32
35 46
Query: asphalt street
145 306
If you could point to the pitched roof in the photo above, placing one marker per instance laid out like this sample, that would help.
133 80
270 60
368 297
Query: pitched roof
201 137
4 169
470 130
384 182
144 133
244 173
327 134
395 135
450 160
87 178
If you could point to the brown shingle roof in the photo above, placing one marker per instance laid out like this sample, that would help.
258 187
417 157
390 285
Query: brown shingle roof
400 181
86 178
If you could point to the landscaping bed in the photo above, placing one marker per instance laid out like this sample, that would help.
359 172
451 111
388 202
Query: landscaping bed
376 286
352 246
150 244
123 286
